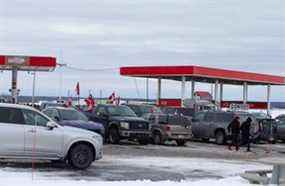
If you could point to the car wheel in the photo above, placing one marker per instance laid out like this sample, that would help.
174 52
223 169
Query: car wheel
81 156
143 141
114 136
220 137
180 142
157 139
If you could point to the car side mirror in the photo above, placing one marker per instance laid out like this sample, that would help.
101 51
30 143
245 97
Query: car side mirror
56 118
51 125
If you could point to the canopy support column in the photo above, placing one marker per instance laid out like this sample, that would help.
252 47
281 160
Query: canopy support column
158 91
221 94
216 92
147 89
245 92
192 89
14 90
268 99
34 88
183 90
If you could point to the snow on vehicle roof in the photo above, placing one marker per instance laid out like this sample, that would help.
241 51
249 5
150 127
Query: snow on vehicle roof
10 105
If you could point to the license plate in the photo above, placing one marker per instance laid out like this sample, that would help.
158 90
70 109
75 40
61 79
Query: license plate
180 136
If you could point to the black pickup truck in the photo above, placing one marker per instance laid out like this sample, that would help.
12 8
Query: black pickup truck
120 122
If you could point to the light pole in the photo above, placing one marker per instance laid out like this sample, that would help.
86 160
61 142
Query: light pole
147 89
61 80
34 88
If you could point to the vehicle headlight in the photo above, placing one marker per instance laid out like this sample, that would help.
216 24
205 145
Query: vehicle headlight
125 125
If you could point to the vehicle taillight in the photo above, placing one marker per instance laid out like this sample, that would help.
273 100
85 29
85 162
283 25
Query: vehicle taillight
167 128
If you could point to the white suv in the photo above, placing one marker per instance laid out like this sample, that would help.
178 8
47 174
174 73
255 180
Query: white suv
26 133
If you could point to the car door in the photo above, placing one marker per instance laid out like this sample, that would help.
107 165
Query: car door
11 132
281 130
94 116
206 127
197 124
101 114
41 141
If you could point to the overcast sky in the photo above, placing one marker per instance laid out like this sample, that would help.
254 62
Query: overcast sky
93 34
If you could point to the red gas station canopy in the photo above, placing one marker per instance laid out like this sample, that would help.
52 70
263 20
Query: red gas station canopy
202 74
27 63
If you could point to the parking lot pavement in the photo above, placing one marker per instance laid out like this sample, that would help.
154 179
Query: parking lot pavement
129 161
195 149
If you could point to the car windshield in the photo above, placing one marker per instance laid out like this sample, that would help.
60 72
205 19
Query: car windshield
48 105
120 111
173 120
181 111
149 109
72 115
281 117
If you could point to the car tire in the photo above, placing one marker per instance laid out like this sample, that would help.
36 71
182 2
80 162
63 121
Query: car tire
157 139
220 137
143 141
180 142
81 156
114 136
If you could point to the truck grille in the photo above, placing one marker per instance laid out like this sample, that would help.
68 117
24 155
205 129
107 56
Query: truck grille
139 126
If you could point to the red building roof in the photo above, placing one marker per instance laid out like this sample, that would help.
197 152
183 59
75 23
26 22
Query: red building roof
202 74
28 63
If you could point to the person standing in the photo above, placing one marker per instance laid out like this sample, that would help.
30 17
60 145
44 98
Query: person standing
90 102
245 131
234 130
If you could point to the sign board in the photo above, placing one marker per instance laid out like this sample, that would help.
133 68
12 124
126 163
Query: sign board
16 60
27 63
236 106
250 104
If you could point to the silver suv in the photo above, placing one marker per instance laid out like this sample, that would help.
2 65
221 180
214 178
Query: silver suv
26 133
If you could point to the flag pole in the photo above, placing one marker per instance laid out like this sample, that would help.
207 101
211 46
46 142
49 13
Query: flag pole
78 100
78 94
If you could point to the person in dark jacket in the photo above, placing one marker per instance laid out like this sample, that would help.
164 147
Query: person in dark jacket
245 131
234 130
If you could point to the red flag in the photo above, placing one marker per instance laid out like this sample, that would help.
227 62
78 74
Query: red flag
77 89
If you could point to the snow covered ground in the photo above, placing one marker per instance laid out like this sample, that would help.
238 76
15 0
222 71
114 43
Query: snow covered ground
200 172
235 181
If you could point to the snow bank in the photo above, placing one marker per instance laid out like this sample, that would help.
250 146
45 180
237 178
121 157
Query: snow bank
223 168
26 180
227 170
